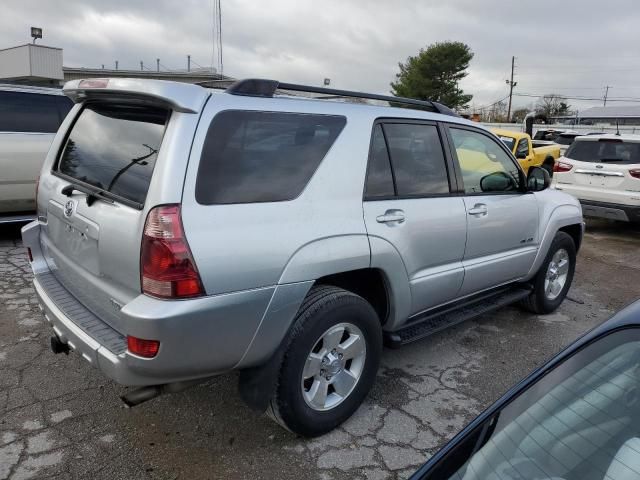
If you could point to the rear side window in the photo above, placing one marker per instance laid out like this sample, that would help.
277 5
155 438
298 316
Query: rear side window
114 148
605 151
417 159
262 156
31 112
379 176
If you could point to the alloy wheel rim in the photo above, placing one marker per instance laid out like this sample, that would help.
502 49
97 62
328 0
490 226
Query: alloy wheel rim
333 367
557 273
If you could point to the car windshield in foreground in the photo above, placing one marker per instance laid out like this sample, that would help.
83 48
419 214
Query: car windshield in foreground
579 422
606 150
114 148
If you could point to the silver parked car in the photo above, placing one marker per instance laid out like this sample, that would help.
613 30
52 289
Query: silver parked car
29 119
184 232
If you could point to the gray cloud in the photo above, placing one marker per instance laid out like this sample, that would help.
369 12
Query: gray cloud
570 47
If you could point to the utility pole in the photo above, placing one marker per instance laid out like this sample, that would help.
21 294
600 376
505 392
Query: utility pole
141 65
157 64
188 63
606 94
511 84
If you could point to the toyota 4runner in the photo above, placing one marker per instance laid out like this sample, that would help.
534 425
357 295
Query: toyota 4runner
184 232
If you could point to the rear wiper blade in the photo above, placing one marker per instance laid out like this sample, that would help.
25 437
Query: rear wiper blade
92 195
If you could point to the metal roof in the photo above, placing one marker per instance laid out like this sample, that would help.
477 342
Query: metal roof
630 111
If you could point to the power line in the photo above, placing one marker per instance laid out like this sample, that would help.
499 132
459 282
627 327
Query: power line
571 97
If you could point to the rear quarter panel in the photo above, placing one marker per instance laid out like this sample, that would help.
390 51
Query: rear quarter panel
245 246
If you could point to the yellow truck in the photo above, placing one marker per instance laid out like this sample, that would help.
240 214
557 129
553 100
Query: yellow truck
530 153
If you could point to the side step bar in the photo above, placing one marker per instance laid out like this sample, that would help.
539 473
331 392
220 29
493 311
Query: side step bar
22 218
432 322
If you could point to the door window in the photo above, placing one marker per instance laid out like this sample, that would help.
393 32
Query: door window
417 159
523 148
485 166
379 176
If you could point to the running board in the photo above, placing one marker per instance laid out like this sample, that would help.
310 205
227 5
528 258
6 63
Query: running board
432 322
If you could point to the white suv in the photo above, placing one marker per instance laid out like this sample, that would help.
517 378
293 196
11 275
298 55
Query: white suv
603 172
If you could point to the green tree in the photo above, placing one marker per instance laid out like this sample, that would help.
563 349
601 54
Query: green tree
434 74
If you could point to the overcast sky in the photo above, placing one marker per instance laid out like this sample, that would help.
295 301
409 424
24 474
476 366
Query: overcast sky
567 47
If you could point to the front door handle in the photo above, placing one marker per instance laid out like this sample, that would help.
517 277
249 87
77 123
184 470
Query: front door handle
391 216
479 210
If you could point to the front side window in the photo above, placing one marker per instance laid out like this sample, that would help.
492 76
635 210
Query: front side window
417 159
485 166
114 148
605 151
251 156
29 112
580 421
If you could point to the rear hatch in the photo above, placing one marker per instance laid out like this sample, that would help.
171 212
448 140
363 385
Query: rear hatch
605 169
95 198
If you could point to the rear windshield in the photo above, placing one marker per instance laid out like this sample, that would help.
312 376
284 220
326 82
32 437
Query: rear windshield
114 148
605 151
508 141
565 139
262 156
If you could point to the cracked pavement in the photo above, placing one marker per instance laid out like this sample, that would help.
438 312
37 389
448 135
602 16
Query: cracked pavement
62 419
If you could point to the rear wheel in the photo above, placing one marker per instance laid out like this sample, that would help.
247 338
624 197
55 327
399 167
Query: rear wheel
331 359
553 280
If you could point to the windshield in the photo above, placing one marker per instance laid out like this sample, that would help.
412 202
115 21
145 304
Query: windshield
609 151
581 421
114 148
508 141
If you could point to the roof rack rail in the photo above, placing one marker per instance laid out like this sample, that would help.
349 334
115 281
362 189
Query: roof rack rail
257 87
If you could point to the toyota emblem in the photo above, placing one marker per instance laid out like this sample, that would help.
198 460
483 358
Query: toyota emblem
68 208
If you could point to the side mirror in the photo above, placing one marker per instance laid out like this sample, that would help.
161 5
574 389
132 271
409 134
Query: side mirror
497 182
521 155
538 179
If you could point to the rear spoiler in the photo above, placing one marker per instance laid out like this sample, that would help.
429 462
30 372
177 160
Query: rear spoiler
182 97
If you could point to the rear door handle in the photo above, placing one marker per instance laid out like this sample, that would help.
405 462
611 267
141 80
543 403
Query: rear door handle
479 210
391 216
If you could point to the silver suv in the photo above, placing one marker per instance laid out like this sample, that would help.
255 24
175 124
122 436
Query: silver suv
184 232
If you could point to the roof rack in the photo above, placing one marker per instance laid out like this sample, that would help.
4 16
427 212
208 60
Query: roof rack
256 87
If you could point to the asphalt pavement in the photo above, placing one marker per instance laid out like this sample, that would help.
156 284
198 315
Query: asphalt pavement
60 418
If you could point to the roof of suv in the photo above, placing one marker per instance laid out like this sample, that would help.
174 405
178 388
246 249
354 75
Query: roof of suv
625 137
8 87
191 98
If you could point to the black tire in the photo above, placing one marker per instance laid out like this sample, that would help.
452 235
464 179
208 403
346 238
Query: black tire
324 307
537 301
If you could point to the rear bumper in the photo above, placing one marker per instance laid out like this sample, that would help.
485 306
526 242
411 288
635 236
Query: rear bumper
612 211
198 338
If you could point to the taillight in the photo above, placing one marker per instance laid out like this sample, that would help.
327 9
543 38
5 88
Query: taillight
635 172
562 167
143 348
167 268
29 254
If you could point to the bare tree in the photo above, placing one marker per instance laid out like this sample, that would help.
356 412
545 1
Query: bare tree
552 105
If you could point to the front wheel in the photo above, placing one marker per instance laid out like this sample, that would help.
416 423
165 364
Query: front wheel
553 280
330 363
